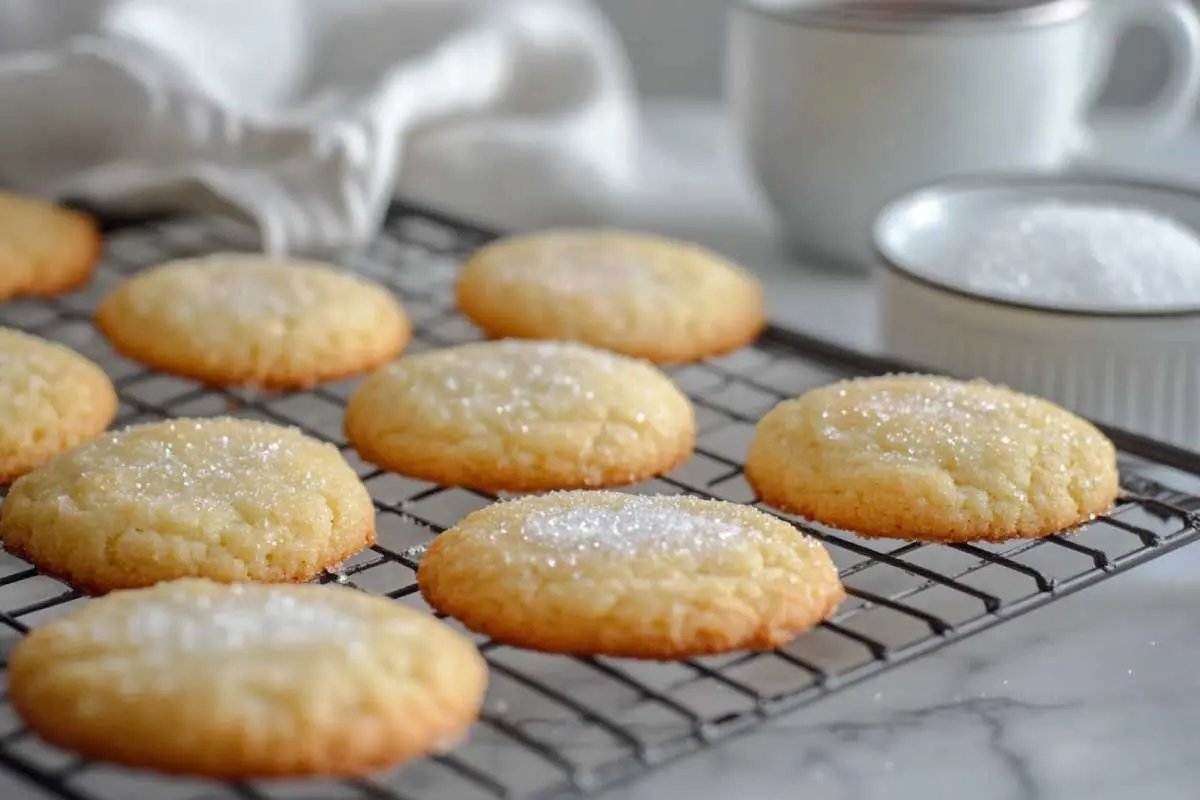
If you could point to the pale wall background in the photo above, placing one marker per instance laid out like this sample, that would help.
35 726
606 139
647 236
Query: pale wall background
677 48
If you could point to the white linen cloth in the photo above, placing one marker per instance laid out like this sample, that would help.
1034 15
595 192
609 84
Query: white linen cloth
310 115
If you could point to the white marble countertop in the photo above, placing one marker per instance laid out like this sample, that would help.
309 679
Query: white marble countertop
1089 698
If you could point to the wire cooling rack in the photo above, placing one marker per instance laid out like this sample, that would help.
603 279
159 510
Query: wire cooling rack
564 727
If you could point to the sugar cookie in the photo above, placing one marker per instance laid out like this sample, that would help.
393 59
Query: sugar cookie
634 576
522 416
198 678
51 399
227 499
45 249
248 319
635 294
918 457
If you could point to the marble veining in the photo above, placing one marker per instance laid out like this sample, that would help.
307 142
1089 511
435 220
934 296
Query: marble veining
1089 698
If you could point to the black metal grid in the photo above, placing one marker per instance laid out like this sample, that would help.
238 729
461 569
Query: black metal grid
557 726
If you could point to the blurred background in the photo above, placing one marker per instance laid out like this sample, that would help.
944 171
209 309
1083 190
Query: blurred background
521 114
675 47
308 115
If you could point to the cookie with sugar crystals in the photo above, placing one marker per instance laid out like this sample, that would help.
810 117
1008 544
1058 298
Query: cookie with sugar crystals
240 319
633 576
635 294
522 416
45 249
227 499
198 678
51 399
927 458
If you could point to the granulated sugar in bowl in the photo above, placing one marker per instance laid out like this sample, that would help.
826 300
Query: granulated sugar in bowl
1083 290
1081 256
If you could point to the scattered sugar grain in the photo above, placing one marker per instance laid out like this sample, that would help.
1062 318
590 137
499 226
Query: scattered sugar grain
1078 256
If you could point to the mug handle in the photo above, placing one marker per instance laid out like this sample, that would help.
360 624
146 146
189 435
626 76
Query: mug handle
1168 114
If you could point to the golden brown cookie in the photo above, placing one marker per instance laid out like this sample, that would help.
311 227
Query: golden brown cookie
51 399
636 294
919 457
522 416
45 249
199 678
227 499
229 319
633 576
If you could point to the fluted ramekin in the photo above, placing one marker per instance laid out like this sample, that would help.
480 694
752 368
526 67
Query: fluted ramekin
1133 368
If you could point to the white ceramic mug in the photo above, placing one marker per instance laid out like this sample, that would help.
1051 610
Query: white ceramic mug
845 104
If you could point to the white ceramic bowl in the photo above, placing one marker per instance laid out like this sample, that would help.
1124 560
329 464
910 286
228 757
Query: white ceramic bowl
1137 369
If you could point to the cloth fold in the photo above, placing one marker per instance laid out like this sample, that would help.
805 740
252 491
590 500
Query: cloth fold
308 116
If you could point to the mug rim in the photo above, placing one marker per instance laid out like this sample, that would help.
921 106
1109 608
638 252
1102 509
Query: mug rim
825 14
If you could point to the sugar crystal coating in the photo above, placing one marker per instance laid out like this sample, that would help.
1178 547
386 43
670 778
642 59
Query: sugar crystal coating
198 678
635 294
222 498
201 467
967 427
960 421
573 265
178 621
514 384
251 288
51 398
923 457
631 524
517 381
248 319
1077 256
521 415
609 573
36 374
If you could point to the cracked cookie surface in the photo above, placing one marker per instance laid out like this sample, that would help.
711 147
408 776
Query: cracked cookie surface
241 319
227 499
927 458
51 399
633 576
632 293
246 681
522 416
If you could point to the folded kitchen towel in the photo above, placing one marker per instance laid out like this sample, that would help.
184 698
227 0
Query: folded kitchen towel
308 116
